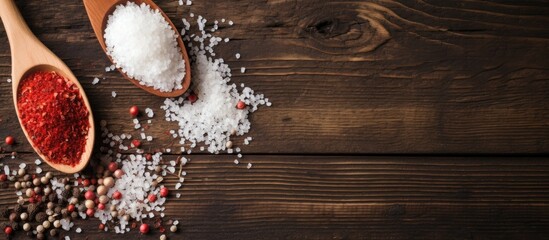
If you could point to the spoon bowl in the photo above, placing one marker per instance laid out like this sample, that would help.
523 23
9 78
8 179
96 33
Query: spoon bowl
29 55
99 12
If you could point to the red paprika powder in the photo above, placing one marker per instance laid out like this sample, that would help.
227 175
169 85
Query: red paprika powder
54 115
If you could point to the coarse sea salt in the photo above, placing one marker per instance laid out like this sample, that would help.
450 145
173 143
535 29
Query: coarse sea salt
144 46
213 117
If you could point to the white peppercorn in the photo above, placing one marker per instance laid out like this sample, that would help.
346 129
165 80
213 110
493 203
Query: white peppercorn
40 228
24 216
173 228
57 224
46 224
27 227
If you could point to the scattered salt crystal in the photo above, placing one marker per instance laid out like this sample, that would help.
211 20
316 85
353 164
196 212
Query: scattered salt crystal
38 170
171 169
249 165
177 185
178 195
67 238
149 138
226 40
176 222
231 23
189 2
22 165
223 20
113 94
236 161
78 230
95 81
8 80
37 162
237 56
242 69
239 155
149 112
191 14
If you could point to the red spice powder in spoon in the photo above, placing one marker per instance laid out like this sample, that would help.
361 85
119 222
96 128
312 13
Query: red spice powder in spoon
54 115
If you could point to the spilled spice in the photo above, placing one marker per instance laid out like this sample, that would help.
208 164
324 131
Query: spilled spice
54 115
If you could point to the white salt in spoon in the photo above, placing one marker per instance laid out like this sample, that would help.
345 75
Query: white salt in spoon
29 55
99 11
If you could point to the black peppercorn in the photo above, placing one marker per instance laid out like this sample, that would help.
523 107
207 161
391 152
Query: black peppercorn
76 192
18 209
53 197
66 194
41 217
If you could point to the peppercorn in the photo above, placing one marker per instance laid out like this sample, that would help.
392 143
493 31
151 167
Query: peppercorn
164 192
66 194
117 195
10 140
18 208
52 218
101 226
144 228
57 210
14 217
27 227
136 143
53 197
57 224
192 98
134 111
90 212
152 198
4 225
36 182
16 226
65 213
173 228
89 195
46 224
74 215
24 216
21 172
8 230
40 236
27 178
53 232
163 237
41 217
32 209
241 105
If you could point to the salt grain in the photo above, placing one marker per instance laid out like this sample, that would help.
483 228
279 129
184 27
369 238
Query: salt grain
113 94
237 56
249 165
95 81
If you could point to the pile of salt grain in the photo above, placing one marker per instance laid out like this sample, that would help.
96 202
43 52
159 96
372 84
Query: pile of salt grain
144 46
213 118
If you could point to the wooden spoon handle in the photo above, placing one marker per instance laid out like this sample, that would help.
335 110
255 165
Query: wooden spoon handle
15 25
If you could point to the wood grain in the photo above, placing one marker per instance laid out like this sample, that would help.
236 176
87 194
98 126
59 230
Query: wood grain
349 76
367 197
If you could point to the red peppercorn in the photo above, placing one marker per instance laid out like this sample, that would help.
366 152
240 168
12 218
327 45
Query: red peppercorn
8 230
136 143
148 157
134 111
241 105
192 98
117 195
86 182
93 181
3 177
101 206
113 166
101 226
89 195
10 140
164 192
90 212
70 208
144 228
152 198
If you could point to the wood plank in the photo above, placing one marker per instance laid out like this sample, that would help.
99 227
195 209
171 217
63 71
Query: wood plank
348 76
368 197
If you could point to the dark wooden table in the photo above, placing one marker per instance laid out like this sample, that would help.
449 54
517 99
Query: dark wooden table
390 119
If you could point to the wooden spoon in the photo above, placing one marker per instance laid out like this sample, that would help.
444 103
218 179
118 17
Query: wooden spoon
28 55
99 11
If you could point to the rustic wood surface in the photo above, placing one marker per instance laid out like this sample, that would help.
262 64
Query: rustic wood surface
390 119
